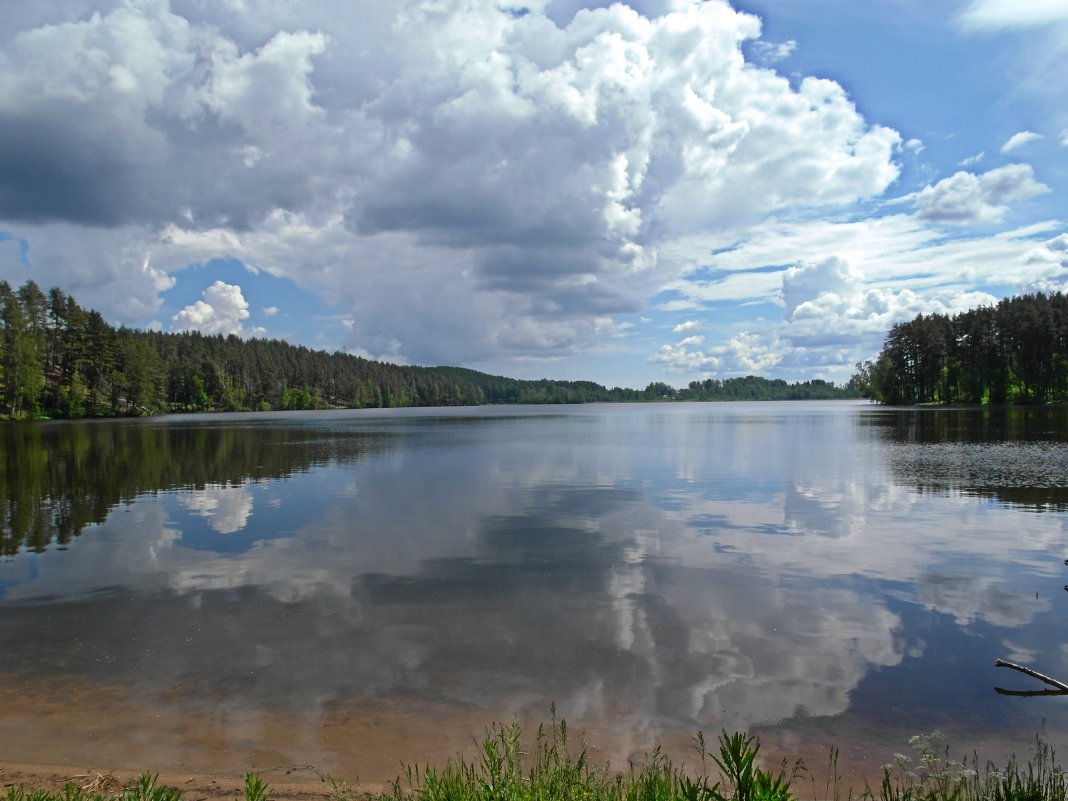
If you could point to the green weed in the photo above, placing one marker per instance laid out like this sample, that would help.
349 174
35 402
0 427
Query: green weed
552 767
147 788
737 762
255 788
934 776
144 788
340 790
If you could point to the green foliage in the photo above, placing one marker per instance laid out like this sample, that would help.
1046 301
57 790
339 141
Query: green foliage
21 357
16 793
933 776
145 787
1016 351
737 757
69 400
556 770
255 788
753 388
340 790
60 360
504 772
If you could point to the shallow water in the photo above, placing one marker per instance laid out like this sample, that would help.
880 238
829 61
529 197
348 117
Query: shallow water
353 589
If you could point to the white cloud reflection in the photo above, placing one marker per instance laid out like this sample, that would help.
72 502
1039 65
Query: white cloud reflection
722 569
226 507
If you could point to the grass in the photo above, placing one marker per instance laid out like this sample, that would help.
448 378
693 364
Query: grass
933 776
555 769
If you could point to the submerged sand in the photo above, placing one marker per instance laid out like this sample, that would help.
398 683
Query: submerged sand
59 730
285 784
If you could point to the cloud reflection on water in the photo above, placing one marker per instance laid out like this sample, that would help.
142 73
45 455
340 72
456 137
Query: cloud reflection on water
694 569
226 507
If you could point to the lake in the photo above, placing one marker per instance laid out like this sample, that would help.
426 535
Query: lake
356 588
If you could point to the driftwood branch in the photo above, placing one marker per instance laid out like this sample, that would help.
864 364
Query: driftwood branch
1062 688
1027 693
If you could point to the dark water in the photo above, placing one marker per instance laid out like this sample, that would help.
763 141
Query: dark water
356 588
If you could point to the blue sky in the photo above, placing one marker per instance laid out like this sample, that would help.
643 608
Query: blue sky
661 190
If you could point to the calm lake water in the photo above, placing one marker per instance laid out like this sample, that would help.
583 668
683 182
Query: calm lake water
353 589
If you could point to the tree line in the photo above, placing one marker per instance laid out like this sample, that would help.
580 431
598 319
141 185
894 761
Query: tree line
753 387
58 359
1013 352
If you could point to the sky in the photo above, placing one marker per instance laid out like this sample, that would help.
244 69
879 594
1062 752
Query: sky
658 190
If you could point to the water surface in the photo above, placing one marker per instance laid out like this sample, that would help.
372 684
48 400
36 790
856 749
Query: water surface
350 589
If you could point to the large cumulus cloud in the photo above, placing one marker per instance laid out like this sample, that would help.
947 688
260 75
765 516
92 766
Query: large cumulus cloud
469 179
222 310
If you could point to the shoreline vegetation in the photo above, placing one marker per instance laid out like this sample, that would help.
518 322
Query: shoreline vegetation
550 767
1013 353
58 360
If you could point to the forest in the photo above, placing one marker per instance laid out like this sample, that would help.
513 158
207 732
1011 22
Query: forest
1014 352
60 360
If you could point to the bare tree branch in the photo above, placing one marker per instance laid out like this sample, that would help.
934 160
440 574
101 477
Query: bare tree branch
1062 688
1028 693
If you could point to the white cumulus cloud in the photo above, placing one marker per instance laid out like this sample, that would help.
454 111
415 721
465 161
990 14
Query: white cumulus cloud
969 198
832 317
475 183
222 310
373 158
1046 266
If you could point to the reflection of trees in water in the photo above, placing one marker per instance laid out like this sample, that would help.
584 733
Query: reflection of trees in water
57 479
1017 456
987 424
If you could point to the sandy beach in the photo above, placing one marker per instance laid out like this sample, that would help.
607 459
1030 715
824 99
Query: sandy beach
287 784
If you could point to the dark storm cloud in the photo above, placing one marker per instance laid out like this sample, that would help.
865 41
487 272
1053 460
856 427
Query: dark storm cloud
61 168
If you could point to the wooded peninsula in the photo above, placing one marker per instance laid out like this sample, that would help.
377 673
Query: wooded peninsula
1014 352
60 360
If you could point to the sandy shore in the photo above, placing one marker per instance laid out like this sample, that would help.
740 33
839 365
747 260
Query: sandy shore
309 783
103 736
287 784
